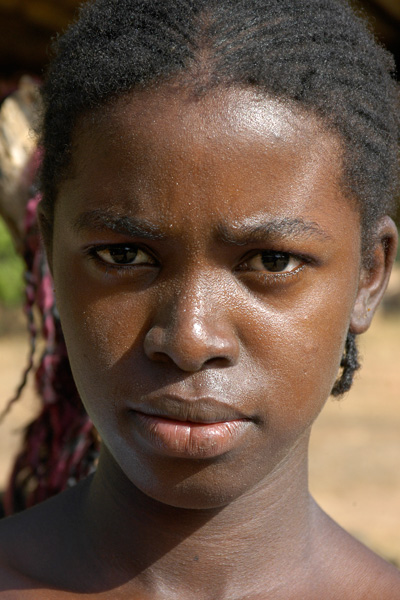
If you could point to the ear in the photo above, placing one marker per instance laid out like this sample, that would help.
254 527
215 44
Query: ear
374 276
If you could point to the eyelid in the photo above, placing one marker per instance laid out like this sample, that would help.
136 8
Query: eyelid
300 263
94 253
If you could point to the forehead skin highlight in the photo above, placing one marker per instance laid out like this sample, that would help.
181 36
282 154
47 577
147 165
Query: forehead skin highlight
235 110
185 127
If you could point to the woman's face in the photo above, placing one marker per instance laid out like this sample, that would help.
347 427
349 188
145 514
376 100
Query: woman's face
206 266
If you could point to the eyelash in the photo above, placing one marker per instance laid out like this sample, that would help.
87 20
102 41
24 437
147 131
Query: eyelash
273 256
94 253
244 266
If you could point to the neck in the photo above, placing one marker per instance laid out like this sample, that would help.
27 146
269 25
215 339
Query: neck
212 553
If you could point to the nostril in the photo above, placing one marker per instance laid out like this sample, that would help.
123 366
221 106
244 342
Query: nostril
154 344
191 349
219 361
160 357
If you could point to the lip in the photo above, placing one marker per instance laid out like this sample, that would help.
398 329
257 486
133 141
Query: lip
189 428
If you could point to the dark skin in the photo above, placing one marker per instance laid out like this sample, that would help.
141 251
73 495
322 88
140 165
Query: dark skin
207 269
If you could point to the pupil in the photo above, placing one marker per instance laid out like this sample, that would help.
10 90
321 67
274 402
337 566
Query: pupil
123 254
275 261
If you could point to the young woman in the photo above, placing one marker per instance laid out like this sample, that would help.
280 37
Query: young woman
217 179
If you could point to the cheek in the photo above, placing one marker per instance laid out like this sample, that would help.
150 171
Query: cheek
298 348
100 330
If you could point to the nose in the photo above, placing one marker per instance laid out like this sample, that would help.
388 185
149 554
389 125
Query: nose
193 329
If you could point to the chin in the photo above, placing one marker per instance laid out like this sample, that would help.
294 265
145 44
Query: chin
196 485
202 484
192 494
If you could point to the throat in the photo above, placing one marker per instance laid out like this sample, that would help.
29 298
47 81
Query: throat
140 541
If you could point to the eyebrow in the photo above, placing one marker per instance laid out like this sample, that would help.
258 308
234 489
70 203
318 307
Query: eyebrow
103 220
242 234
239 234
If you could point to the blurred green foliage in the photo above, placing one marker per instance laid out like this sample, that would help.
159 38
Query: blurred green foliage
11 270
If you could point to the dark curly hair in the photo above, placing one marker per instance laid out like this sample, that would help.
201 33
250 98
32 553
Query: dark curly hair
315 54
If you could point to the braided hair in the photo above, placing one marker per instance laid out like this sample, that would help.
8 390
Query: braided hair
60 446
315 54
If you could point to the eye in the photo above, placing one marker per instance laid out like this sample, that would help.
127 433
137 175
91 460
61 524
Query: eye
273 262
123 255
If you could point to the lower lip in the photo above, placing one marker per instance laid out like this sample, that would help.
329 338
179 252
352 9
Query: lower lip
190 440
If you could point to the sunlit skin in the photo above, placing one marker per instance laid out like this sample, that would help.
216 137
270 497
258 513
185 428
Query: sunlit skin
207 269
199 316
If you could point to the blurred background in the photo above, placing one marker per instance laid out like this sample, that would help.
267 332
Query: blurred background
355 449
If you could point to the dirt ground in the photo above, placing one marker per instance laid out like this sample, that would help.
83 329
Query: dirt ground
355 448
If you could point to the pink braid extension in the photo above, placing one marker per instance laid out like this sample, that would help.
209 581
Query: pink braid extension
60 447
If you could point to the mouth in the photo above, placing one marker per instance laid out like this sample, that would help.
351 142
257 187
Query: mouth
189 428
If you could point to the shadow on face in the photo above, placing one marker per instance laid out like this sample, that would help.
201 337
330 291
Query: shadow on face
212 258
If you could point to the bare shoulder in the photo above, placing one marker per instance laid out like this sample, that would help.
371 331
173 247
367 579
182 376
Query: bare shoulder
31 543
357 572
13 552
377 578
14 584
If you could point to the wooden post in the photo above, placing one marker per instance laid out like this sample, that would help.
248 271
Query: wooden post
19 116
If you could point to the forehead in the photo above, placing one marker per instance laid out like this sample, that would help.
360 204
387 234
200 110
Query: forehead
176 115
169 149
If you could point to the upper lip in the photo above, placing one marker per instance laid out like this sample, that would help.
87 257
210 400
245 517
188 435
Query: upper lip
190 409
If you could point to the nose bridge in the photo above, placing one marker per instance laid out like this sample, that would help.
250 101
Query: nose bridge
193 325
192 301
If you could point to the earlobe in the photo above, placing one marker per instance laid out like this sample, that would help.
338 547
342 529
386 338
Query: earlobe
374 277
